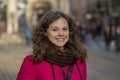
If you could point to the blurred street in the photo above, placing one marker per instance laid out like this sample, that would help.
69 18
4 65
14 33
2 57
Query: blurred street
11 56
102 65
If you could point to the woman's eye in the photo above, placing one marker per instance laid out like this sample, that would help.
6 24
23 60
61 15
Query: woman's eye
54 29
65 29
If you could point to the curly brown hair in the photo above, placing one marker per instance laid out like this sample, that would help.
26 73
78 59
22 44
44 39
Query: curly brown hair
41 42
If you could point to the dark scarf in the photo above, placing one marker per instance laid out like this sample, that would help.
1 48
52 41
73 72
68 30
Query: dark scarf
56 56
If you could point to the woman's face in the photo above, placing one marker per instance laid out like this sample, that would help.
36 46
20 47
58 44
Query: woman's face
58 32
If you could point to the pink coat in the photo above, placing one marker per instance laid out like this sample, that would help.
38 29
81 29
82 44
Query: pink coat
43 71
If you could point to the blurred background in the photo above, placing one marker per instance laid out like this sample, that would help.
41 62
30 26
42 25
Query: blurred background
97 20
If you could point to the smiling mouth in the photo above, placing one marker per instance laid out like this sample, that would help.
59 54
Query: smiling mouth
60 39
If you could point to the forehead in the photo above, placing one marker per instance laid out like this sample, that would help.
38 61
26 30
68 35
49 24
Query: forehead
59 21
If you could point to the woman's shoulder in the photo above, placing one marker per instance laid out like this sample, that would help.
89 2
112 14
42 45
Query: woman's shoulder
81 61
28 59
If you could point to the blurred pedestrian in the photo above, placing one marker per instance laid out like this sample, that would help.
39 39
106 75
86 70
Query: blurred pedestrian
58 53
107 37
27 32
25 28
81 31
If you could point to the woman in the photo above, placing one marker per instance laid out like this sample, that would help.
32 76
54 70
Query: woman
58 53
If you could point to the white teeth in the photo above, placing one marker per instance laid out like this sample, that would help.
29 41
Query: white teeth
60 39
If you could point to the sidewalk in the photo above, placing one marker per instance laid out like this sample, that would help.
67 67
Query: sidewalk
11 56
6 38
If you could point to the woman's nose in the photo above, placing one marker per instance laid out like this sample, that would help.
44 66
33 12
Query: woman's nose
61 32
